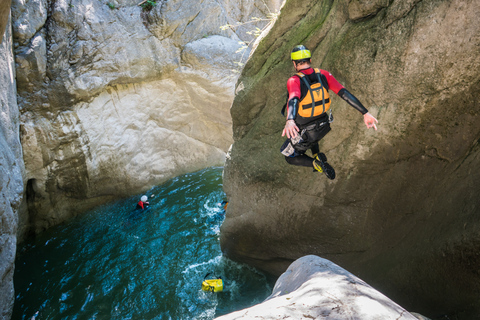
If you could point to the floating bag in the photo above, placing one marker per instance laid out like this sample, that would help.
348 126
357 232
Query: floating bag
212 285
317 99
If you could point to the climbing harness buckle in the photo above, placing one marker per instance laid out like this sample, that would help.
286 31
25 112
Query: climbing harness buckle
330 117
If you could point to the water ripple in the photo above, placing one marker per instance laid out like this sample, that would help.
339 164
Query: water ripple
118 263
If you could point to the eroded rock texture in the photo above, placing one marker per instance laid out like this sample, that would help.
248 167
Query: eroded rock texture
11 167
403 212
116 98
315 288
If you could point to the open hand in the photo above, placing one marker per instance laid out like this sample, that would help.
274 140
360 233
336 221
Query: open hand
291 129
370 120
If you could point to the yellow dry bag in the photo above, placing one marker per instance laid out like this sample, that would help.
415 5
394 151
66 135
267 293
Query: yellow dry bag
212 285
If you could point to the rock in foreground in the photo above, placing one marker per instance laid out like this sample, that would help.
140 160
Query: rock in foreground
316 288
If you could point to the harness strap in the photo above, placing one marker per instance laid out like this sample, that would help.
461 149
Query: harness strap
311 94
316 125
321 88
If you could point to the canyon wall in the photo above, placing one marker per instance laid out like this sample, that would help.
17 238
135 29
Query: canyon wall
12 206
4 17
119 96
103 99
403 213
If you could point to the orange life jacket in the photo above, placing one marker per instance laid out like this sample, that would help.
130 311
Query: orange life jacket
317 99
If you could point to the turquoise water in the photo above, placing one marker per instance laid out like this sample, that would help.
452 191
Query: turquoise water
115 263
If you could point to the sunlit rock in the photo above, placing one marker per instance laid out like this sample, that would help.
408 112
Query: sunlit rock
315 288
12 207
116 97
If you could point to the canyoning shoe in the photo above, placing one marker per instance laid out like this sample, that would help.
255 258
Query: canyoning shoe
317 162
320 164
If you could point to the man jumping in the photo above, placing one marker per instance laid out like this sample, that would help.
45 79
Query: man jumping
307 118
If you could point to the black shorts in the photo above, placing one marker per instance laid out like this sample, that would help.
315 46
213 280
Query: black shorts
311 134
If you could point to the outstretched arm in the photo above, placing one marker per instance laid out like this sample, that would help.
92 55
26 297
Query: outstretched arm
352 100
369 120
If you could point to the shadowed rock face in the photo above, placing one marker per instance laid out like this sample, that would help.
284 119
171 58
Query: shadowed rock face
403 211
115 99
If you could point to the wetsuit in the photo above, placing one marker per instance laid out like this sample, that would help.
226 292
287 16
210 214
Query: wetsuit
142 205
297 90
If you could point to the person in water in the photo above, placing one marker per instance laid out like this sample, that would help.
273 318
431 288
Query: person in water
225 205
306 112
143 203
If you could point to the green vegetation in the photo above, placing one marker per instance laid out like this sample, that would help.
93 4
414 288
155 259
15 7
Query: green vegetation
148 5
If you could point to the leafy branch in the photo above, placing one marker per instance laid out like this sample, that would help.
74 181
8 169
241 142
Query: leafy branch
256 32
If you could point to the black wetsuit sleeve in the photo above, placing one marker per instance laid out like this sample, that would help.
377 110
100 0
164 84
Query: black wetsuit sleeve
352 100
292 108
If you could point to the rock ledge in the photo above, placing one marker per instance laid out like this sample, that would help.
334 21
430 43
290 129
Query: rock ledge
316 288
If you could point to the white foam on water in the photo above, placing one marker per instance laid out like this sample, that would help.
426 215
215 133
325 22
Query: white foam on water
213 261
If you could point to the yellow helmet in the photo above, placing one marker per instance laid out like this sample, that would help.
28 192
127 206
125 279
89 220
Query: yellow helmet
300 52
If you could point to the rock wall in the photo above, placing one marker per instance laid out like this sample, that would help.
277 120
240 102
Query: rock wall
4 16
315 288
11 167
116 98
403 212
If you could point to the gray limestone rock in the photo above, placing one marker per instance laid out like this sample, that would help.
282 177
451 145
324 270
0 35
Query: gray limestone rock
12 207
315 288
116 98
109 99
